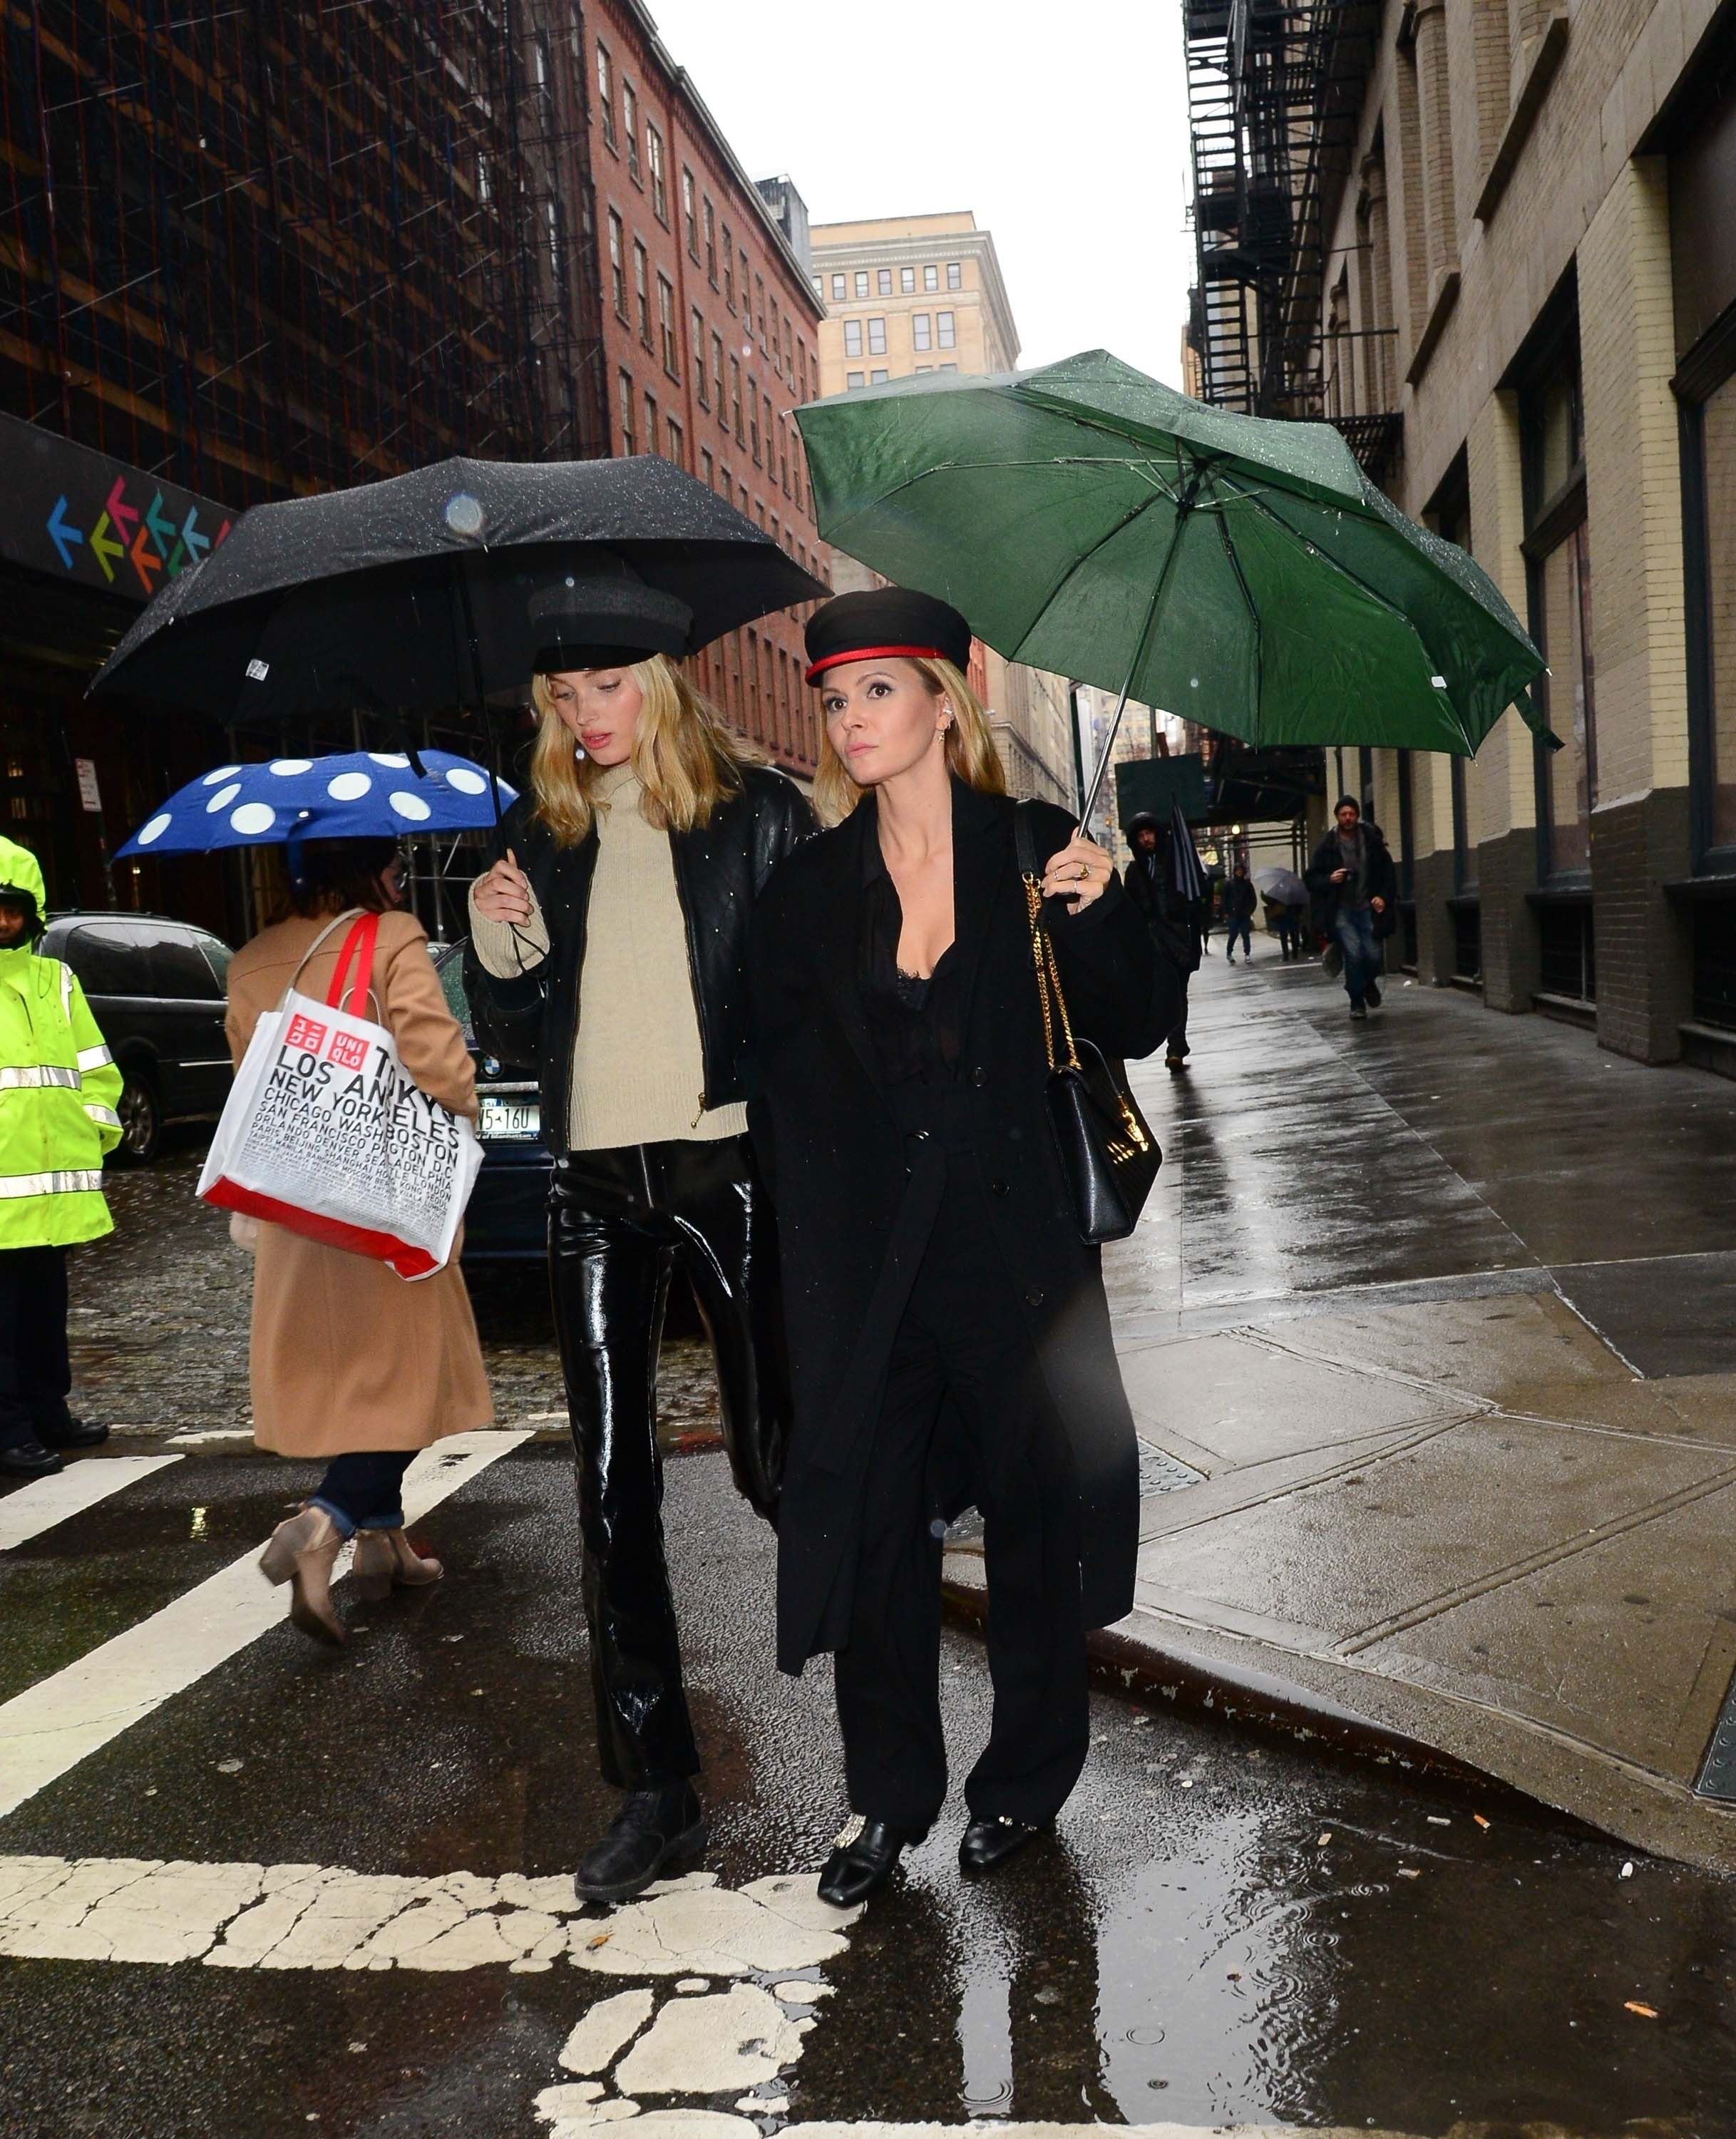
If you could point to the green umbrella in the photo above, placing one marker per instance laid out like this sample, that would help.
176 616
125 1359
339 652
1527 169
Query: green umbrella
1237 571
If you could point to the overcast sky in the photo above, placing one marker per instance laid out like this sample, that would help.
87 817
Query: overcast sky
1064 128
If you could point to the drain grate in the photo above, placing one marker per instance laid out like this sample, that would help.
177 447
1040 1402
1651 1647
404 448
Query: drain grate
1717 1770
1159 1472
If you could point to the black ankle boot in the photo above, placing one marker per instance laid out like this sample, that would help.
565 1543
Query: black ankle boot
988 1842
862 1865
67 1431
28 1459
654 1830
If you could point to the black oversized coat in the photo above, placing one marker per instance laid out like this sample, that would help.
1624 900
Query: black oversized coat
856 1198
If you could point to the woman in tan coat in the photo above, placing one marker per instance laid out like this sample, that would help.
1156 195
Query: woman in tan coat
348 1361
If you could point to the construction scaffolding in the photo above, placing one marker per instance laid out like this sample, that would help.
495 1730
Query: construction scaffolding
1273 87
270 247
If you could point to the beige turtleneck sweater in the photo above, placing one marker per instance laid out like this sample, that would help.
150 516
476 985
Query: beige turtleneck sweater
638 1070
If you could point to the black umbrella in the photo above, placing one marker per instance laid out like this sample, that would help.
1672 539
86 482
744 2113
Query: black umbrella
1186 876
414 594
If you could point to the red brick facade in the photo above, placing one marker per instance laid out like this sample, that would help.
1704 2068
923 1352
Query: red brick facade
712 349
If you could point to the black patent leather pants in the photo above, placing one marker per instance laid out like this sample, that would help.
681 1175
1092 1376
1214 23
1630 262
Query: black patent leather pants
620 1223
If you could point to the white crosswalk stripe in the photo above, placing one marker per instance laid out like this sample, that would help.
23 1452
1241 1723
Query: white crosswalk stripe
145 1910
44 1502
57 1723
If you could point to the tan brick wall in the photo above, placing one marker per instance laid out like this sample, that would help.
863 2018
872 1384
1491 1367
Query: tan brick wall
1435 111
1504 769
1478 54
1407 214
1622 57
1633 488
1573 175
1432 799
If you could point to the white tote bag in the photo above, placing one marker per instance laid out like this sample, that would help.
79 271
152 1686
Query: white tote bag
325 1134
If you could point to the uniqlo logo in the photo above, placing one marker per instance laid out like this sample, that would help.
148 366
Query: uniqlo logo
304 1033
348 1050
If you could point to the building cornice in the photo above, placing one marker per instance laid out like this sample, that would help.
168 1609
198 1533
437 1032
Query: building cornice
680 83
908 249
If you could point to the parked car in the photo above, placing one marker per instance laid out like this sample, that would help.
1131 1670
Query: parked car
156 987
507 1220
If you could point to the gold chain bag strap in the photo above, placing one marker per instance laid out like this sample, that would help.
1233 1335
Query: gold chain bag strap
1106 1151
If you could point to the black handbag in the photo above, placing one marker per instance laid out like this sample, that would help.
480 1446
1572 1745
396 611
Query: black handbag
1107 1150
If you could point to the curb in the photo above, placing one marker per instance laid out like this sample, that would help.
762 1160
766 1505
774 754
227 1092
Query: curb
1186 1680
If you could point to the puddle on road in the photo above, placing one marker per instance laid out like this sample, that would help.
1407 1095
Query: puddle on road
1238 1931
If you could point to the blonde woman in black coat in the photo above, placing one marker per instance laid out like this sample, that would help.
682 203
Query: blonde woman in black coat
949 1335
608 951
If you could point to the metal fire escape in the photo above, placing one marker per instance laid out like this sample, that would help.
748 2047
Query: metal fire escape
1273 89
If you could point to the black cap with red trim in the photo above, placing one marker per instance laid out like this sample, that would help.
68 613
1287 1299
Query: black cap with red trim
884 623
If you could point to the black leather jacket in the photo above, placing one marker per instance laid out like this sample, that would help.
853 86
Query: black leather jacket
532 1021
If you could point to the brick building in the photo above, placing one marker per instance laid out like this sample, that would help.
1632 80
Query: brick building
709 335
1511 279
904 294
249 253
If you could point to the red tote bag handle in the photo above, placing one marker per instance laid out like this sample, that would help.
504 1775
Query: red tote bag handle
359 944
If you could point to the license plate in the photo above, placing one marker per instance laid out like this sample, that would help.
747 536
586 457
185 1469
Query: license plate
507 1118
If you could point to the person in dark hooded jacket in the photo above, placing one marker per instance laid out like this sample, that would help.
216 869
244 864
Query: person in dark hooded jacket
1175 923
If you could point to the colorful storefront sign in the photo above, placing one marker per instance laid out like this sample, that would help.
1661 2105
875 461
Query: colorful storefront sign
78 515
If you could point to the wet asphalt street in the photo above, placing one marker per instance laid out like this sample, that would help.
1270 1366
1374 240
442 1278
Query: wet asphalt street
1228 1928
250 1887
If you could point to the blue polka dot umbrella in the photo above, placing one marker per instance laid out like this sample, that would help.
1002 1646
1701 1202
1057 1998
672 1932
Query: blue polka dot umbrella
353 794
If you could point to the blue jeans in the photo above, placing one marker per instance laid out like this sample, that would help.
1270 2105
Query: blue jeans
1354 927
1240 925
364 1491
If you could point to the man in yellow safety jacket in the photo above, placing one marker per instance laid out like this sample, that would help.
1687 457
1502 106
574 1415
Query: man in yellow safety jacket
58 1090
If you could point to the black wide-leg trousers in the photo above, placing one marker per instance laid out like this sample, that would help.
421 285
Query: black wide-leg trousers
621 1222
35 1374
963 1349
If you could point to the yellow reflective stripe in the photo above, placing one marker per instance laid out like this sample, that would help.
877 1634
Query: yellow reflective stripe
93 1058
36 1077
106 1115
50 1184
65 989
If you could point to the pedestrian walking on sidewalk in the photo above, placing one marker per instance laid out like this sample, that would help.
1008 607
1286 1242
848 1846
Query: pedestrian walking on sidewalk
949 1334
1240 903
1291 930
608 950
348 1362
1355 894
58 1090
1176 923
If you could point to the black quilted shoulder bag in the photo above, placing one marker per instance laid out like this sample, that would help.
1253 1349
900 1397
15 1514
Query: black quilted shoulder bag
1107 1152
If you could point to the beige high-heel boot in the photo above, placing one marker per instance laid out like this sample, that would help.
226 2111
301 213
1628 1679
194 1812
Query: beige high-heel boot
302 1551
385 1557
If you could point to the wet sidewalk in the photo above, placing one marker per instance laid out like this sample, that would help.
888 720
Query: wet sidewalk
1430 1331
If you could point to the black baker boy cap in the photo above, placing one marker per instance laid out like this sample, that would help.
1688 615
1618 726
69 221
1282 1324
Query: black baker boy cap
607 621
884 622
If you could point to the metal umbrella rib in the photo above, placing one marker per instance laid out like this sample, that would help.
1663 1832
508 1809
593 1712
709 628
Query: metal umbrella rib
1184 510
